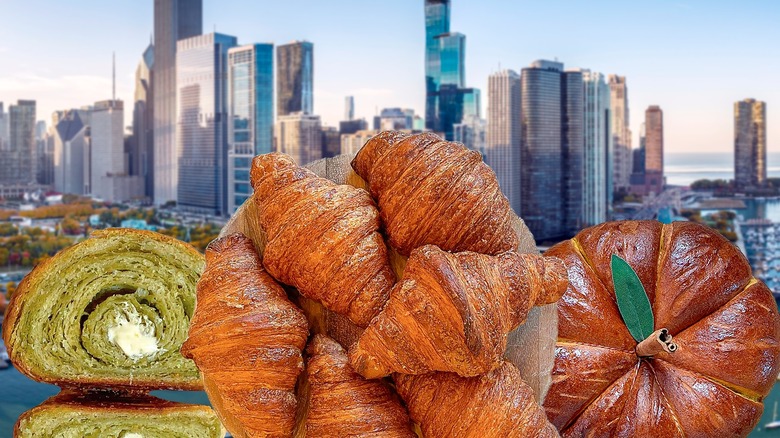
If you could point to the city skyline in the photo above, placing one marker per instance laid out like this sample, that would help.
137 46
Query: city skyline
694 68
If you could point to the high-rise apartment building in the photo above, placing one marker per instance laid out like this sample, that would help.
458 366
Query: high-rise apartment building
201 131
18 162
250 115
749 143
141 159
597 172
71 150
551 161
502 152
299 135
621 133
654 149
173 20
295 78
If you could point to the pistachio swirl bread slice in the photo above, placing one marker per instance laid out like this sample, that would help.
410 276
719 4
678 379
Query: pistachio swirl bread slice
107 414
110 311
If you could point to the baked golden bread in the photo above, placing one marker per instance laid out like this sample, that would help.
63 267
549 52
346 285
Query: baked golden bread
108 414
110 311
452 312
495 405
724 323
322 238
342 403
432 191
247 339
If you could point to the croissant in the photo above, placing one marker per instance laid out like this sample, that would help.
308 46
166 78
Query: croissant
109 414
432 191
322 238
110 311
452 312
497 404
246 338
343 403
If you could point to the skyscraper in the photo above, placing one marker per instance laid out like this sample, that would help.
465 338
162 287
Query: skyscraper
394 119
45 153
749 143
597 172
437 22
551 149
654 149
109 178
299 136
621 134
250 115
71 150
295 78
141 158
202 112
3 129
472 132
349 108
503 133
173 20
452 54
18 161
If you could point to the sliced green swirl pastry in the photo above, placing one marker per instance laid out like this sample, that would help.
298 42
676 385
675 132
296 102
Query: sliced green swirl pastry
99 415
110 311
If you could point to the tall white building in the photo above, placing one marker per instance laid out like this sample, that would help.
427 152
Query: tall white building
597 172
502 149
299 135
621 134
109 178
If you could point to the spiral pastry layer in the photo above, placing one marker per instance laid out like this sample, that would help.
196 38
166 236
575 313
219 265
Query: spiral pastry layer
105 414
111 311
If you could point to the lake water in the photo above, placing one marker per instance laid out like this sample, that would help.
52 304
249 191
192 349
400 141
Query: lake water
683 168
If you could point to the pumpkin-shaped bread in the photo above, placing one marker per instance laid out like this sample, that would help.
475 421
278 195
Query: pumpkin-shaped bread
723 321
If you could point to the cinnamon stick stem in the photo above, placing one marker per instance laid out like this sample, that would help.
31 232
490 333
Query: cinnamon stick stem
660 340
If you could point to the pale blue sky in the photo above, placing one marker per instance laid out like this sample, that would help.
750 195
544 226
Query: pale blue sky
693 58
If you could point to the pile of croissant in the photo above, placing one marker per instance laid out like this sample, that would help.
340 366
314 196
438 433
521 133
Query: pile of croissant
428 354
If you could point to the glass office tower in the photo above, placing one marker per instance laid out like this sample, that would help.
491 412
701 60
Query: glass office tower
201 131
552 140
295 78
250 115
452 51
173 20
437 22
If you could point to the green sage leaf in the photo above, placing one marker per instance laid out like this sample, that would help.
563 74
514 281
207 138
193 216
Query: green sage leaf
632 299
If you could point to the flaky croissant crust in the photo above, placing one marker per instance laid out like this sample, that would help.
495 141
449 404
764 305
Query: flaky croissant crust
247 339
432 191
497 404
452 312
343 403
322 238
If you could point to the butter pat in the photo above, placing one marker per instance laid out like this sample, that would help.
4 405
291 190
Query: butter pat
134 335
132 435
